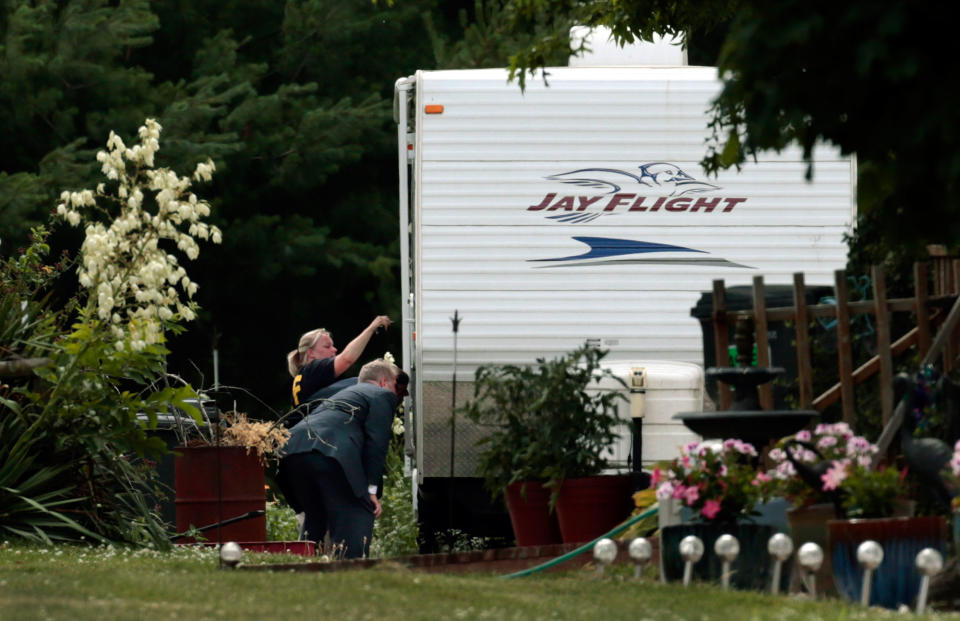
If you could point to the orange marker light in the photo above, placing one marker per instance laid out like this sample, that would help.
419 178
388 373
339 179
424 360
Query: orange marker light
433 109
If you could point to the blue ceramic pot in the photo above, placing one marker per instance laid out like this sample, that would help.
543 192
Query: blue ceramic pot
897 580
752 569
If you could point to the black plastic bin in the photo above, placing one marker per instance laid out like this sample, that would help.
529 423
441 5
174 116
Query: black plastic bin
783 351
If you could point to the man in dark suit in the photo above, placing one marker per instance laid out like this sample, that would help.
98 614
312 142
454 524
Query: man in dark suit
333 462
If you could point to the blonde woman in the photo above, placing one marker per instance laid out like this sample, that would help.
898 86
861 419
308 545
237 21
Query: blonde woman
316 364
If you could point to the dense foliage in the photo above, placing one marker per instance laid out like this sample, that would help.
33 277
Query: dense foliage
75 416
291 100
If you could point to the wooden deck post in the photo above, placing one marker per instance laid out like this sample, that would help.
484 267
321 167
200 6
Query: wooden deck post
760 329
721 340
844 354
920 290
804 368
883 342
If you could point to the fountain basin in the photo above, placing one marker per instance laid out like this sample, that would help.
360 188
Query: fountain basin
758 427
745 381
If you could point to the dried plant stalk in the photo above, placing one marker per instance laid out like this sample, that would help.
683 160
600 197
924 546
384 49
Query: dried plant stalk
264 437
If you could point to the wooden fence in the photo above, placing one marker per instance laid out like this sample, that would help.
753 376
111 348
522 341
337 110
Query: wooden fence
929 309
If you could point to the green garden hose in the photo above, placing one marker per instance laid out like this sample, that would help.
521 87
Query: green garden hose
587 546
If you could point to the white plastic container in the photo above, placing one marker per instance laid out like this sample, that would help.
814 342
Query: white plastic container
655 391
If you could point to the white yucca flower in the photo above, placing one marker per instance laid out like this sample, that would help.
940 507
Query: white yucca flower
133 283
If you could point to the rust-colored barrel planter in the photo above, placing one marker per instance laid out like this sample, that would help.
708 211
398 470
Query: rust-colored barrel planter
203 498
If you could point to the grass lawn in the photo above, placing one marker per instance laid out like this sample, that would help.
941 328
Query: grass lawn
77 583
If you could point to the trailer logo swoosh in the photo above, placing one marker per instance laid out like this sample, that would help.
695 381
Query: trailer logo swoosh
605 250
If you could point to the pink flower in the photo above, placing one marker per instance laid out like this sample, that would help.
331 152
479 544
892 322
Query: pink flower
679 491
710 509
656 477
761 477
665 491
786 470
858 445
691 494
777 455
803 435
834 476
826 442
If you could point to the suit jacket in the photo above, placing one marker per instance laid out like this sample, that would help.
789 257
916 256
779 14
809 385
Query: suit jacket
354 428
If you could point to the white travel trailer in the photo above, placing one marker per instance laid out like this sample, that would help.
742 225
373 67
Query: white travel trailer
577 210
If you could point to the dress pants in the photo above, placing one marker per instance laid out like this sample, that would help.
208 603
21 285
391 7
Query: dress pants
322 491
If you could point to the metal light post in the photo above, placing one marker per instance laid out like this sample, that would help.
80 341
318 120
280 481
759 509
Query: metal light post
727 548
691 550
640 552
810 556
230 554
930 563
869 555
780 548
604 553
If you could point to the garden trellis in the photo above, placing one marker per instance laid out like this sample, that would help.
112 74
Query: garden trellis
929 309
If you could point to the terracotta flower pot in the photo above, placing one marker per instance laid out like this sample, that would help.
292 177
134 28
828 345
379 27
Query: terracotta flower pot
589 507
533 522
752 569
896 581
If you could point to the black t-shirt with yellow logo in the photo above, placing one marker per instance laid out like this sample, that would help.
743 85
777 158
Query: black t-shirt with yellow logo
313 376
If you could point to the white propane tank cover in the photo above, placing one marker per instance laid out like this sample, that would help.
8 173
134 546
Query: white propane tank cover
604 51
670 387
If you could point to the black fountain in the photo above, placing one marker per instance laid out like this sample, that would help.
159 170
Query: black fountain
745 420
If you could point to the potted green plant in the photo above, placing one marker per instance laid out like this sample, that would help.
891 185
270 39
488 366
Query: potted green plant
545 448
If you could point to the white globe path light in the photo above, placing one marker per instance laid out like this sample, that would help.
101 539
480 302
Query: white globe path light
640 552
869 555
727 548
930 563
810 556
230 554
604 553
691 550
780 548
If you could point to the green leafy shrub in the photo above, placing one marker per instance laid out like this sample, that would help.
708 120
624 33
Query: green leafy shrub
544 422
395 532
281 522
74 429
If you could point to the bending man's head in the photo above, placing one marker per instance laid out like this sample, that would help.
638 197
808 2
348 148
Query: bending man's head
381 373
